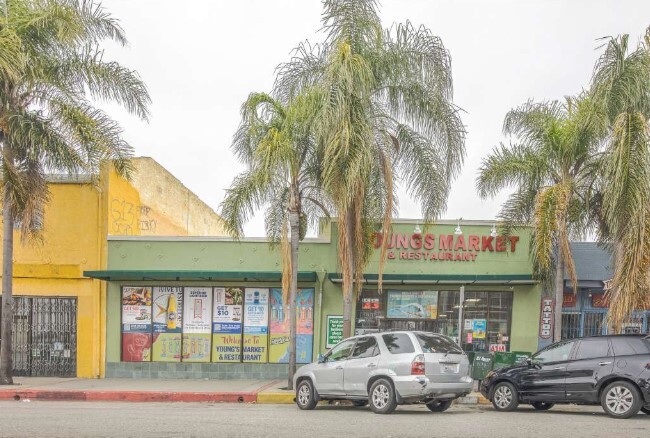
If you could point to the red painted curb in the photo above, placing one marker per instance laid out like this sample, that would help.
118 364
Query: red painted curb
130 396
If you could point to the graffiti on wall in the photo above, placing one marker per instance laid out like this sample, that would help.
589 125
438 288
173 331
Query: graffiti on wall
130 219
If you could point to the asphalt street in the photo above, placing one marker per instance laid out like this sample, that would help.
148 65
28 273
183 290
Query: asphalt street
117 419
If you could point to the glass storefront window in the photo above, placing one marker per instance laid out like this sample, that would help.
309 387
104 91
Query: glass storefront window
487 317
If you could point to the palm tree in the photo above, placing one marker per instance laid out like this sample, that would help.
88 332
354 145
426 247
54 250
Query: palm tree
47 121
387 110
551 169
620 88
275 142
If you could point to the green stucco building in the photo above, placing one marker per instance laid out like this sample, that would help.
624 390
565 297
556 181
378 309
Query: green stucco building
201 307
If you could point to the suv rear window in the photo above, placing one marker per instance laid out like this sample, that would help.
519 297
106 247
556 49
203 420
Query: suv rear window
398 343
431 343
625 346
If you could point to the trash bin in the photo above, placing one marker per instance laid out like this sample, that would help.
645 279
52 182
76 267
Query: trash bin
502 360
481 365
521 356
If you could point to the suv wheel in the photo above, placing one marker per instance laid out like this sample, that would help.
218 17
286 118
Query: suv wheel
505 397
382 397
439 405
305 395
542 406
620 400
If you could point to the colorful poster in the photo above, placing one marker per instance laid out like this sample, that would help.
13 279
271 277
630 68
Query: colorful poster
479 327
167 309
227 324
197 324
136 310
197 310
280 327
136 347
167 324
412 304
256 325
196 347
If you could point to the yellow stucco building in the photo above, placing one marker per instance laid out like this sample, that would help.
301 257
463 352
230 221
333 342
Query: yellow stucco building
59 317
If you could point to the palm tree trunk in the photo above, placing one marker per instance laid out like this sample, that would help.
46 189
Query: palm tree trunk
294 224
559 296
349 292
6 365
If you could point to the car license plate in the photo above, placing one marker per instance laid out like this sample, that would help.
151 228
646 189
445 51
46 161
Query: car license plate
448 368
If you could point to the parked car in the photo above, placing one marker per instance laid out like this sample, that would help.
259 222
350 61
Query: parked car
613 371
387 369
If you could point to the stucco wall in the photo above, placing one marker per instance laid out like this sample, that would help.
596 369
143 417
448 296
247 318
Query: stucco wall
156 203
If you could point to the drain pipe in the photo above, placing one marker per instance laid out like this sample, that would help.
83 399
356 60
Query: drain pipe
460 315
322 274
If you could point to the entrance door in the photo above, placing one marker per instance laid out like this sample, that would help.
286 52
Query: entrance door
45 336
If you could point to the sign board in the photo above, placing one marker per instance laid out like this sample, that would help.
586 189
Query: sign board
412 304
479 328
498 347
546 319
569 300
334 330
599 301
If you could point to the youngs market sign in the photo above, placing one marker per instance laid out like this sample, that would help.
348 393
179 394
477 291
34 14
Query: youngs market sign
443 247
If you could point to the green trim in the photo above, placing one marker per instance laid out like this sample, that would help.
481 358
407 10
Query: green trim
441 278
115 275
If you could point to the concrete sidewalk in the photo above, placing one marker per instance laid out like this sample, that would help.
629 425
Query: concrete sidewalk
159 390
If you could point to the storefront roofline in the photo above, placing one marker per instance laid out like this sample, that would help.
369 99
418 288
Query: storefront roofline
146 275
405 279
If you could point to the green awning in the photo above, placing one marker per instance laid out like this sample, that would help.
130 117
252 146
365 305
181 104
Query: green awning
441 279
148 275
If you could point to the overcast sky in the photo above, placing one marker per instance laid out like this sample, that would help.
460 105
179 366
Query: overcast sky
201 59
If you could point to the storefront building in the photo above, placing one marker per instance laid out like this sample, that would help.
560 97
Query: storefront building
202 307
58 326
584 312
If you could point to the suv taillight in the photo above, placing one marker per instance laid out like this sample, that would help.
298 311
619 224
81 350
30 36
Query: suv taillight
417 366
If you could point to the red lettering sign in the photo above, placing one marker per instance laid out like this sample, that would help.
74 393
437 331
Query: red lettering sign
569 300
599 301
546 318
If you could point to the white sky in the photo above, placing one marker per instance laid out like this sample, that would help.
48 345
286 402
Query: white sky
201 59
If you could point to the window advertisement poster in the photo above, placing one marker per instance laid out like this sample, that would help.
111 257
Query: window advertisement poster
136 324
334 330
280 327
227 324
479 327
136 309
256 324
197 324
412 304
167 323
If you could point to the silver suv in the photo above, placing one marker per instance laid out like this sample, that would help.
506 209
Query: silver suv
387 369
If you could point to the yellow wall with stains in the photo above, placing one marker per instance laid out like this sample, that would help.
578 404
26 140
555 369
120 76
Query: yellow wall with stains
77 220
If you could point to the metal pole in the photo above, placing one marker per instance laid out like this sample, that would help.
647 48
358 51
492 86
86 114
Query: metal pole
460 314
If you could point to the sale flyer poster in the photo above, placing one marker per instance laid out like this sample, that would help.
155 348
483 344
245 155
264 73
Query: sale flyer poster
136 347
256 325
136 310
280 327
227 324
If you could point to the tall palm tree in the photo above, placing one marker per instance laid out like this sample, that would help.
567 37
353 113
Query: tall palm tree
620 88
387 110
275 142
551 168
47 121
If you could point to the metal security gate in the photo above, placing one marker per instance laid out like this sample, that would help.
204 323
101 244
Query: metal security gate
45 337
579 324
